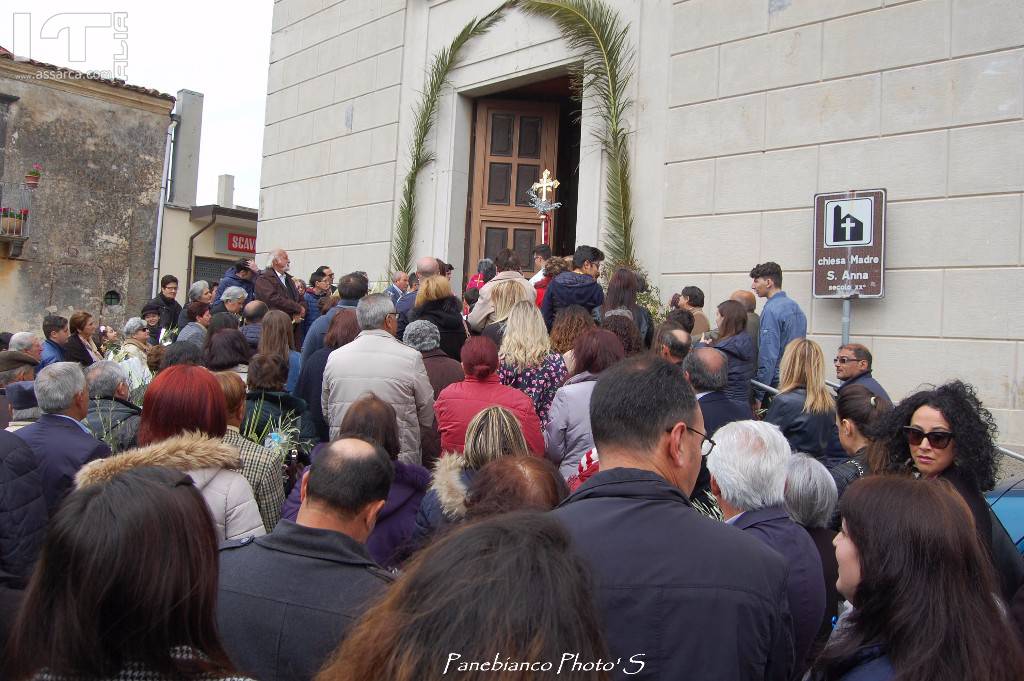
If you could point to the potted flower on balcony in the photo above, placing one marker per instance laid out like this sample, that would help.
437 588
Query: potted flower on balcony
32 176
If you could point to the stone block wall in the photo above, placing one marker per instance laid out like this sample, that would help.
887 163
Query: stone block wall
773 100
331 138
93 219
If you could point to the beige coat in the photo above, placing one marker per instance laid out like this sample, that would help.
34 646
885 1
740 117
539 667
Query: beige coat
211 464
483 311
376 362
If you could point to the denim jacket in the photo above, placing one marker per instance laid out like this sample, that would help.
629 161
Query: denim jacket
782 321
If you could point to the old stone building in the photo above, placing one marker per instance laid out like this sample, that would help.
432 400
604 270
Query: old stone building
744 109
88 243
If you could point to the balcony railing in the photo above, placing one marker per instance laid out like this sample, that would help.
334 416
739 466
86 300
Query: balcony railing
15 215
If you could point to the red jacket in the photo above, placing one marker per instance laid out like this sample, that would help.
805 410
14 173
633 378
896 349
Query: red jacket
542 288
457 404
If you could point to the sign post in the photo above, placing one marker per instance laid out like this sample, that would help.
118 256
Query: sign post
849 247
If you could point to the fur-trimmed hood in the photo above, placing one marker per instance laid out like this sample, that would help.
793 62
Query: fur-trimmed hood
190 452
451 483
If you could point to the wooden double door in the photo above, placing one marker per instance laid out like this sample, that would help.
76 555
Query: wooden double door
515 142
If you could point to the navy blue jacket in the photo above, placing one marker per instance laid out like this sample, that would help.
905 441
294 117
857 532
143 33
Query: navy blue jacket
717 410
570 288
231 278
698 598
23 514
869 382
312 302
315 336
61 447
741 352
805 584
287 599
403 307
310 388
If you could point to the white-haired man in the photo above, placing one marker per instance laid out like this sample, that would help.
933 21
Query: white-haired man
748 478
275 287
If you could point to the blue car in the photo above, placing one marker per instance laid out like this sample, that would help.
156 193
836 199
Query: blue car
1007 502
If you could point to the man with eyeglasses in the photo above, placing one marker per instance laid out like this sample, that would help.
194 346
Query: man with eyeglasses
748 477
853 367
689 596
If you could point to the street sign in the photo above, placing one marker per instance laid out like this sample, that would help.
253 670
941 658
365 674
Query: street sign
849 244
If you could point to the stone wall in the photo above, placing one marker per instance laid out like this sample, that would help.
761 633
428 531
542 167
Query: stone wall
774 100
94 214
330 145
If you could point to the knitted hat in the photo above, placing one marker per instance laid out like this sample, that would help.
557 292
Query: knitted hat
422 335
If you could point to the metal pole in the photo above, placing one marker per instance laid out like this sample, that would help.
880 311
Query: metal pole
846 320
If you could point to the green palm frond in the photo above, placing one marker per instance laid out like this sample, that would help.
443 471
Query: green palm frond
426 114
596 31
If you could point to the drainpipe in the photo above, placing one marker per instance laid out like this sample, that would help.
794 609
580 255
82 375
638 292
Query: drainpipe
164 180
191 248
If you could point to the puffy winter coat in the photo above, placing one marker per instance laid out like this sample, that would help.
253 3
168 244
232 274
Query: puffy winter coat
390 543
376 362
446 315
212 465
445 501
230 279
23 514
460 402
567 435
483 311
570 288
742 355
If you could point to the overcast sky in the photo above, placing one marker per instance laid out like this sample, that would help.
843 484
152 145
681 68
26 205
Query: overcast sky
217 47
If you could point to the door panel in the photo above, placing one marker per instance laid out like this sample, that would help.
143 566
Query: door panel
516 142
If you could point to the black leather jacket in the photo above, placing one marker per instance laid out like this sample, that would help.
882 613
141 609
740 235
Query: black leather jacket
813 434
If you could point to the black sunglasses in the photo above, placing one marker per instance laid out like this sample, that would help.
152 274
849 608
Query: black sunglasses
939 439
845 360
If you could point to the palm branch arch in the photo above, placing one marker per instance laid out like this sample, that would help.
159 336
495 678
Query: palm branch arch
596 32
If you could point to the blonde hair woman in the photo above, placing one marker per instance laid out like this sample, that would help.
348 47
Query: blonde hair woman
804 409
504 296
493 433
527 361
436 304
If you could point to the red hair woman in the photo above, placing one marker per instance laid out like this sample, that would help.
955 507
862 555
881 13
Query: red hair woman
184 417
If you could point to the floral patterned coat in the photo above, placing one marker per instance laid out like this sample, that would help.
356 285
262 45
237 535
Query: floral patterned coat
539 382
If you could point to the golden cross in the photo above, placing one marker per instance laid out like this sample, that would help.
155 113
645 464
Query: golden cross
545 184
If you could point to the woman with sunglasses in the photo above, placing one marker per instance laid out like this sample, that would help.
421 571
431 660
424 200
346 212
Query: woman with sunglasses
946 433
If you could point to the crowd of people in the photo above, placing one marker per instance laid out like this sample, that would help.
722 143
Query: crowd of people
537 478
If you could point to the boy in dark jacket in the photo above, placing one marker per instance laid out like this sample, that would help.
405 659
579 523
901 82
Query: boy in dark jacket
578 287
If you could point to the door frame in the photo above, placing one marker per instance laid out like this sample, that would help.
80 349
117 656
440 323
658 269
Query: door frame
480 212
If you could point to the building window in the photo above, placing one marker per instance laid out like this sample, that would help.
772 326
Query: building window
210 270
111 298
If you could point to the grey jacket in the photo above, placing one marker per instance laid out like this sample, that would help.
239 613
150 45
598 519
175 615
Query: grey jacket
114 421
194 332
567 435
377 362
287 599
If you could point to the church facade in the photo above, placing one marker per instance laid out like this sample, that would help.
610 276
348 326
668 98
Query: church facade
742 111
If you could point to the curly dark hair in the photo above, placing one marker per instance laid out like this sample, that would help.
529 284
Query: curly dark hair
974 431
626 330
571 322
